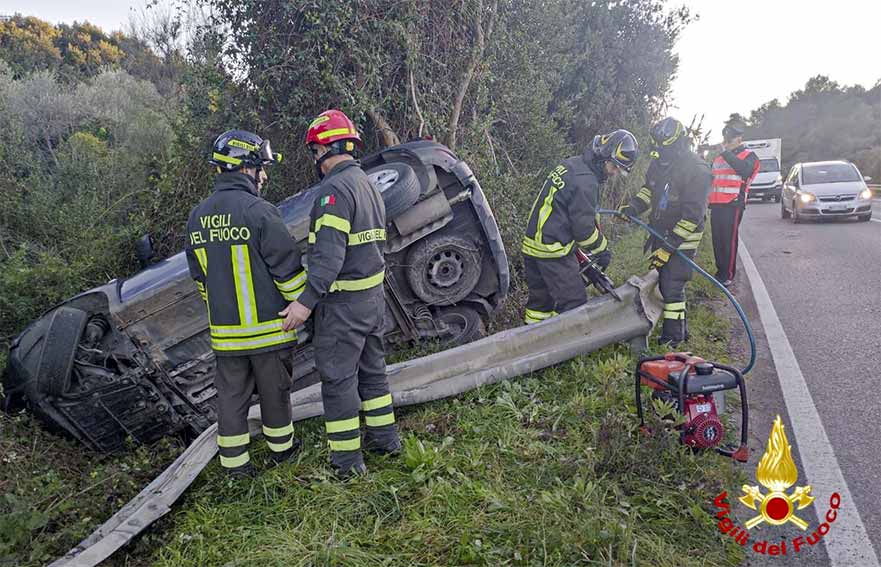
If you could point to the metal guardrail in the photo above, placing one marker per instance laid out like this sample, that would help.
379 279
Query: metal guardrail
875 188
600 322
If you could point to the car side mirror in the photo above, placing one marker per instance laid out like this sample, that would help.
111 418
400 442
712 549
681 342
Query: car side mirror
866 178
144 250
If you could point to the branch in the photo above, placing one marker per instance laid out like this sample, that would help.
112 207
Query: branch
476 56
387 136
492 150
416 104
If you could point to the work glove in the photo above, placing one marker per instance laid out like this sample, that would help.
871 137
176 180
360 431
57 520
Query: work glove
626 211
659 258
603 259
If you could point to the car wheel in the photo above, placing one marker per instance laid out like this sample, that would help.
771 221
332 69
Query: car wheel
463 325
61 341
777 198
784 214
443 269
398 185
865 218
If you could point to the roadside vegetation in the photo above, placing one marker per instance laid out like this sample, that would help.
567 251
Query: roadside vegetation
103 138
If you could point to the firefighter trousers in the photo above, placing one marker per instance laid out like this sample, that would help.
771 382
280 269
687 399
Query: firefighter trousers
555 286
350 358
235 380
726 235
672 278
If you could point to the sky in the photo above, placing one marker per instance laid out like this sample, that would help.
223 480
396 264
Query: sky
772 47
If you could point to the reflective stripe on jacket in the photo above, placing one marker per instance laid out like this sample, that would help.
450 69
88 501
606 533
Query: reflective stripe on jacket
730 178
246 266
346 235
564 212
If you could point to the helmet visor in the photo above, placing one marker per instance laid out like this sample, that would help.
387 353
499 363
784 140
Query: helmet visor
266 155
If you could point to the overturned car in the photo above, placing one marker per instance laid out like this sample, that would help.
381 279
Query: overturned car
132 358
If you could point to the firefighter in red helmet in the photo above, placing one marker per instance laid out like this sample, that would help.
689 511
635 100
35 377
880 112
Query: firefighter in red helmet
345 273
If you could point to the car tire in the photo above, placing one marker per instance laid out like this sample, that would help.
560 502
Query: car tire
784 214
777 198
398 185
59 349
865 218
443 268
464 325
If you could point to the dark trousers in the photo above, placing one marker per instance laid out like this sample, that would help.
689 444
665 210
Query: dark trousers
726 231
350 358
235 380
672 278
555 286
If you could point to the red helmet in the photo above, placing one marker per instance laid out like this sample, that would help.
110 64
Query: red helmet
331 126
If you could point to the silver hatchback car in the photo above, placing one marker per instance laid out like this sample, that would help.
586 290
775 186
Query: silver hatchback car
825 189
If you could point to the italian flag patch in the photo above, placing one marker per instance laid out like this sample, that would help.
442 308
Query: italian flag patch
327 200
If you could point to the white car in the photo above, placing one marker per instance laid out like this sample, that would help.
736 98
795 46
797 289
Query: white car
825 189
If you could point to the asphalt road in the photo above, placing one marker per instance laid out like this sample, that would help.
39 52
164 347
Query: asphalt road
824 281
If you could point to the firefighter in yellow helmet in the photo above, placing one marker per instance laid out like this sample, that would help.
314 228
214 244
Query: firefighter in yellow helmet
676 188
563 217
247 269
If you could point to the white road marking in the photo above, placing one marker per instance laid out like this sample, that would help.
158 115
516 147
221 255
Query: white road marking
847 543
875 220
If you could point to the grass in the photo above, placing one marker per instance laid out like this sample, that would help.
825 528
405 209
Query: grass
547 469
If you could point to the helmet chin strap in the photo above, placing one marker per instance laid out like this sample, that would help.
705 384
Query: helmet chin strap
334 149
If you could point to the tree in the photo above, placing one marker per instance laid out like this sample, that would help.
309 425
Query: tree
825 121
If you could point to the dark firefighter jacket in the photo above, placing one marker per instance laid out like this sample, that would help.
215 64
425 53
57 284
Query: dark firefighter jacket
676 193
246 266
564 213
346 235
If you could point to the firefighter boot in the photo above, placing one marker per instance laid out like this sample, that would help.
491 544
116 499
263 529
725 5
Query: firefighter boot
347 464
386 444
288 455
242 472
673 332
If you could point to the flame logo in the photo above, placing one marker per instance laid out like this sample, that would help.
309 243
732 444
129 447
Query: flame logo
776 472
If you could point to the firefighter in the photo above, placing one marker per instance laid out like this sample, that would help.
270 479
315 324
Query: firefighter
676 187
247 269
346 269
563 217
733 171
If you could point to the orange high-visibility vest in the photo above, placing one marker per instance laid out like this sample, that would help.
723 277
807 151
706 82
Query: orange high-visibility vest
726 183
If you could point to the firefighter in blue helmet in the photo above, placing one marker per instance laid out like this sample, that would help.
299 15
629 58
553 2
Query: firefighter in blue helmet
247 269
563 217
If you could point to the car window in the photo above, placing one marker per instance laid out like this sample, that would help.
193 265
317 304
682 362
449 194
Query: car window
830 173
769 164
793 176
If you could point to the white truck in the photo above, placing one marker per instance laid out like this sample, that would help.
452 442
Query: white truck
769 181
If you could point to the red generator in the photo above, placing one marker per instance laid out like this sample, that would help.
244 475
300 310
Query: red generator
688 382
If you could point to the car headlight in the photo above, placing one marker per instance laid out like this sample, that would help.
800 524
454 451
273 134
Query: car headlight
779 180
806 197
866 193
